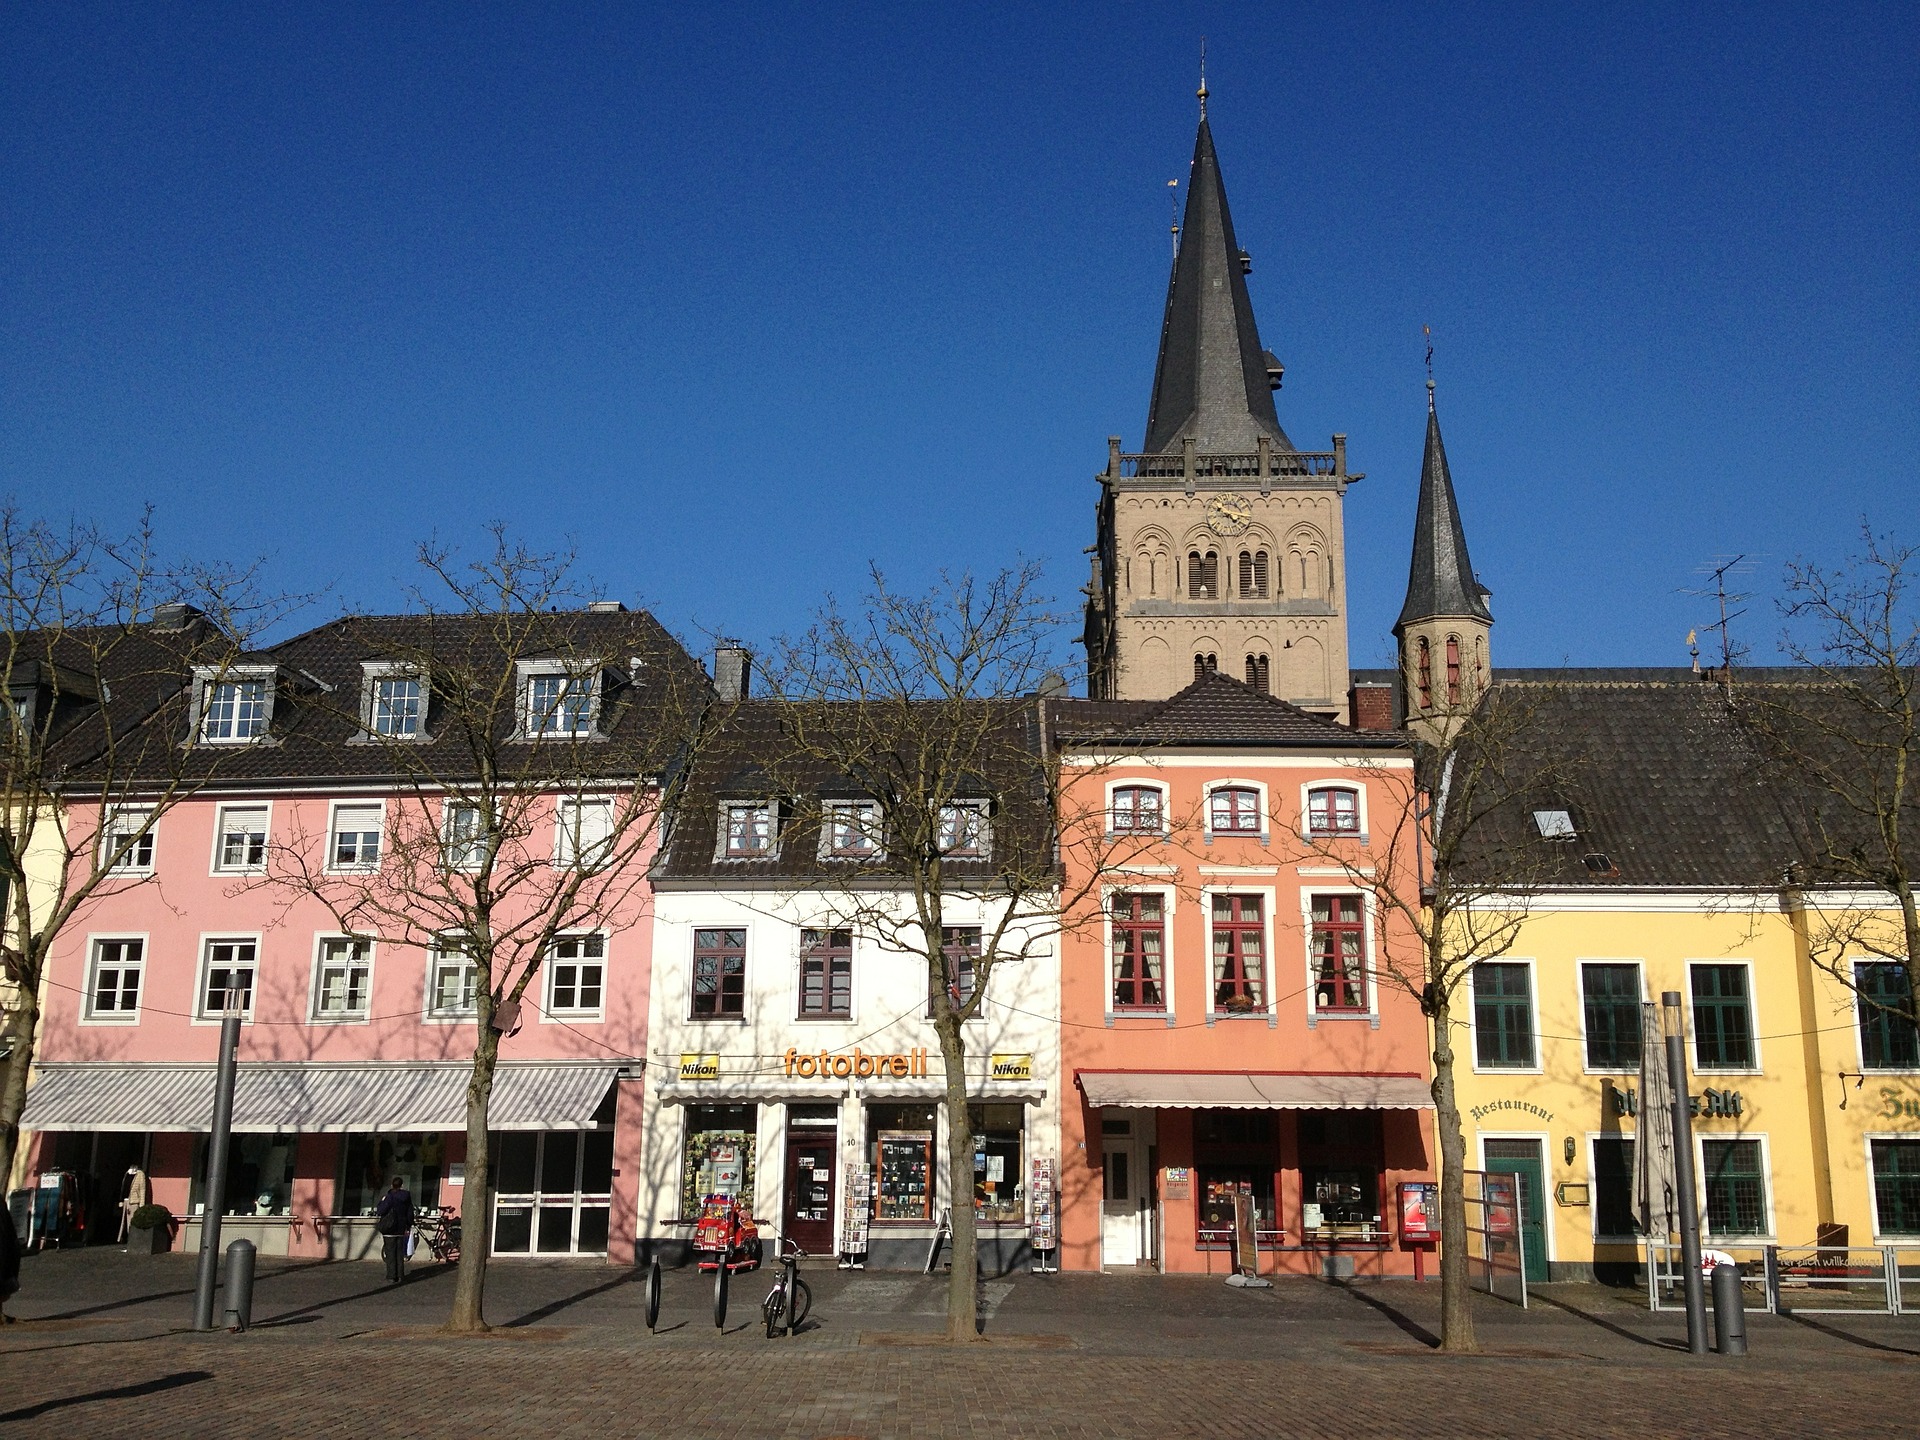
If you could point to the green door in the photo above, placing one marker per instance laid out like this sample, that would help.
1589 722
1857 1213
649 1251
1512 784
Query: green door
1521 1158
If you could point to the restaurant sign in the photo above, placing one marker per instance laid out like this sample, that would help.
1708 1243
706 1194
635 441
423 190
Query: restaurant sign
1727 1104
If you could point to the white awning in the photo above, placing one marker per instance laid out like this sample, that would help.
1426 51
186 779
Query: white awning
1252 1090
271 1098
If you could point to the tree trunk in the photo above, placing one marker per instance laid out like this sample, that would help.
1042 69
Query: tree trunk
1456 1295
963 1309
13 1098
470 1282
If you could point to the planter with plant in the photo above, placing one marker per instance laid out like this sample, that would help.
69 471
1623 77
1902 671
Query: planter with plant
149 1230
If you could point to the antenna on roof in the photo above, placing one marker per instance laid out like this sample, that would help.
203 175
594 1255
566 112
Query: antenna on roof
1203 77
1729 651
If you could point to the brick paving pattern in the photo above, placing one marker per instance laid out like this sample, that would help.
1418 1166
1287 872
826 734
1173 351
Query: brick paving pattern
102 1349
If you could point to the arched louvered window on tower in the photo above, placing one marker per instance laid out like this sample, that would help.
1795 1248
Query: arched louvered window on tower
1453 669
1260 574
1423 673
1246 572
1210 576
1204 664
1196 576
1259 673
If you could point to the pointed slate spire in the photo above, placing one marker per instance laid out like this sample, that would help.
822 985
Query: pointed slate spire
1211 379
1441 581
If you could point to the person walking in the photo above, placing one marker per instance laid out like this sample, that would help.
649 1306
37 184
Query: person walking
393 1218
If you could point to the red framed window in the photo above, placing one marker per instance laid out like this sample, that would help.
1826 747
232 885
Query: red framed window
960 947
1239 954
1234 810
1423 671
749 830
719 974
1453 669
1136 809
1339 953
826 974
1333 810
1139 950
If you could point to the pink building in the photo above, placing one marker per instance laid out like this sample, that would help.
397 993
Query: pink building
357 1041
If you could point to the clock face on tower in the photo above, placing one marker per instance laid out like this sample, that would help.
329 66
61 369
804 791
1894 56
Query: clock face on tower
1229 515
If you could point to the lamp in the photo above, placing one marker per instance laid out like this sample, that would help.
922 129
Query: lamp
1566 1149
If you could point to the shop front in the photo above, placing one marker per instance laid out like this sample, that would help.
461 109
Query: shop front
314 1148
1200 1169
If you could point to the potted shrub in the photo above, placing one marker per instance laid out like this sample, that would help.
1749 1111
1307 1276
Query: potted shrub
149 1230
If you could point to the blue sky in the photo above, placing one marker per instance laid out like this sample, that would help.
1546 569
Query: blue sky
740 300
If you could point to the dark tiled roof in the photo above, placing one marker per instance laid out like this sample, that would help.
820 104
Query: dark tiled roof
1214 710
1211 378
1440 580
315 732
753 747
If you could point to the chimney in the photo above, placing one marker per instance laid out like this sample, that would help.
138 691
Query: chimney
605 607
1372 707
173 617
732 671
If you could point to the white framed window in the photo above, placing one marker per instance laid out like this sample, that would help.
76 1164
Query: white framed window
849 830
747 830
964 830
577 976
453 983
1720 1009
561 702
583 830
1335 811
395 702
355 840
1505 1036
1139 925
1237 807
240 839
1339 929
227 969
1734 1186
343 978
123 828
235 705
1136 809
464 836
118 972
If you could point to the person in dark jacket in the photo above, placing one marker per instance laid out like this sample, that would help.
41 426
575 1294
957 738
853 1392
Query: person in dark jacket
9 1261
393 1218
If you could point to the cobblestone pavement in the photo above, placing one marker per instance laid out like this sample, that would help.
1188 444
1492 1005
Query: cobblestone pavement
103 1349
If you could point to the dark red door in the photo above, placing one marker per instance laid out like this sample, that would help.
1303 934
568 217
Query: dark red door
810 1190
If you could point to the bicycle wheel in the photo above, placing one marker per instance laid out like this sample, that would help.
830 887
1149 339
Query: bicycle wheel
800 1306
653 1294
775 1307
720 1295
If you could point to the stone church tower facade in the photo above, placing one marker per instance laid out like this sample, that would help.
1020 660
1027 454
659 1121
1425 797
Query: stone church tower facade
1220 546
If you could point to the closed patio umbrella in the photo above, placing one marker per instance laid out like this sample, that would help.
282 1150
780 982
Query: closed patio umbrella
1656 1188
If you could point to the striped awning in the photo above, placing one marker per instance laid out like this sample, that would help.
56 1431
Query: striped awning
1253 1090
271 1098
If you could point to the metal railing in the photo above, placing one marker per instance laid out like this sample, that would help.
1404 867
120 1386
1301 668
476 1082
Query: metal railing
1280 464
1496 1244
1799 1279
1666 1275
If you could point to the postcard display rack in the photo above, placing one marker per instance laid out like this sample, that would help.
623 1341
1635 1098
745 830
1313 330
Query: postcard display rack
1043 1220
856 1206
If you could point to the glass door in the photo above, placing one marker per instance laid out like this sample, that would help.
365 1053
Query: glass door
553 1194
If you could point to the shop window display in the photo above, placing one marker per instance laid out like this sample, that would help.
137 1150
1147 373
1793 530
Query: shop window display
259 1175
719 1155
999 1191
369 1163
1236 1151
900 1149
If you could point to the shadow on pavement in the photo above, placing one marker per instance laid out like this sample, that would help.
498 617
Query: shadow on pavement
554 1307
260 1279
119 1392
1403 1321
1834 1330
1653 1341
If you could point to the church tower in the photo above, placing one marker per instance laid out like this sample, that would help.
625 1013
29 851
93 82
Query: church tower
1220 546
1445 625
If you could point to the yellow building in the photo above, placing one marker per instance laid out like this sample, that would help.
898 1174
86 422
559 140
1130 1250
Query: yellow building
1667 859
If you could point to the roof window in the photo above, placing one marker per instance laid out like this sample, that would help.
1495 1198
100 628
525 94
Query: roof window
1554 824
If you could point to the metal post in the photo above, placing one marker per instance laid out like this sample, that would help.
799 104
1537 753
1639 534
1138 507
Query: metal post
1729 1311
1692 1280
1772 1262
239 1286
216 1191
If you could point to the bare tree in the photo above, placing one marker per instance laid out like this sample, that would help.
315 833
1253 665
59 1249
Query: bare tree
525 797
100 640
1844 743
930 707
1452 864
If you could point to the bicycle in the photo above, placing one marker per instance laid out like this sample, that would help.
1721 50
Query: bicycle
440 1228
790 1301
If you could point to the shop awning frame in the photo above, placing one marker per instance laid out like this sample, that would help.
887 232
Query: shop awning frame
280 1098
1253 1090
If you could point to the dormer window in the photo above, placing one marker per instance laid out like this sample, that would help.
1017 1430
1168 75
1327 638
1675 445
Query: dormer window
398 707
747 829
849 830
235 706
1333 810
963 829
561 703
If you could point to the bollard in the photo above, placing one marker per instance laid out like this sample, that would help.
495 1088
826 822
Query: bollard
239 1285
1729 1312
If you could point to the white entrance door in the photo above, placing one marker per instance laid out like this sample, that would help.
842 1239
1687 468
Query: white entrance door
1119 1200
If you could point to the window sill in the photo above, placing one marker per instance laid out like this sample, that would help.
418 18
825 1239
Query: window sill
1700 1069
115 1019
1890 1070
340 1020
574 1017
823 1019
1508 1070
716 1019
1344 1014
1243 1014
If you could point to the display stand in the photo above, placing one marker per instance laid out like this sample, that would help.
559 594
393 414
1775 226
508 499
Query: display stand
856 1206
1043 1223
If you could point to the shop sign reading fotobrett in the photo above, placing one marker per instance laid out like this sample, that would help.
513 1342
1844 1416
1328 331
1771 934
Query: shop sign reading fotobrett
859 1065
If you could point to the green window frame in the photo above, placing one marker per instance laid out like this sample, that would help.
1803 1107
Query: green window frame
1736 1187
1503 1016
1722 1018
1896 1186
1610 995
1888 1040
1613 1197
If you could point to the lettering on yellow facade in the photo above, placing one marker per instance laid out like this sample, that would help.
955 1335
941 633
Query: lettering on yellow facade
858 1066
699 1067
